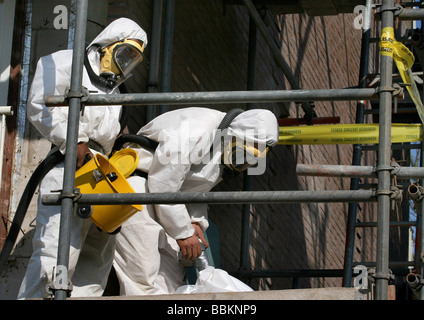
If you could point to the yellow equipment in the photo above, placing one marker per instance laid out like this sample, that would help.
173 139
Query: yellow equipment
103 175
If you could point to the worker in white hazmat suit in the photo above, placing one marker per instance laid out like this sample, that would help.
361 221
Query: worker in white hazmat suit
109 60
146 259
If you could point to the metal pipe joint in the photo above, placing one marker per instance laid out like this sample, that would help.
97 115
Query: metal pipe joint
416 192
415 282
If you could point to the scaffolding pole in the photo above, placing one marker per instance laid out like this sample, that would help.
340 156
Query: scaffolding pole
61 283
382 275
228 197
318 170
411 14
220 97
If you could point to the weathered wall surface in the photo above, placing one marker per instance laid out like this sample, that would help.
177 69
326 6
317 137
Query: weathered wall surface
210 53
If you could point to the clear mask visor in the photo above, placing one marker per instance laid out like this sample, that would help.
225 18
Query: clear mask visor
244 156
126 57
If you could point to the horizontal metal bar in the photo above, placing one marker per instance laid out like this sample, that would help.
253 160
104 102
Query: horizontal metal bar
284 122
311 273
354 171
392 224
220 197
392 264
395 146
411 14
178 98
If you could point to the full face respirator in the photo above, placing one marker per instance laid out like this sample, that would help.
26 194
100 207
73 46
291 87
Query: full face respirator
240 155
116 62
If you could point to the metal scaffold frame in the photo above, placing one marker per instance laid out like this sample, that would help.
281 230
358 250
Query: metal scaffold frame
384 171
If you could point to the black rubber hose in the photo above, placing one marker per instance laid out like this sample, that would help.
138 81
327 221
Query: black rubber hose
43 168
229 117
225 123
140 140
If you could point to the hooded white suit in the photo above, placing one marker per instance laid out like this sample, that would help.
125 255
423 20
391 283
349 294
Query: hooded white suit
91 251
146 259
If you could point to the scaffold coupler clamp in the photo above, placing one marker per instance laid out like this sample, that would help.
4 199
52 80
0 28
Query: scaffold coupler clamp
75 196
395 192
373 275
395 189
397 9
84 95
395 89
59 281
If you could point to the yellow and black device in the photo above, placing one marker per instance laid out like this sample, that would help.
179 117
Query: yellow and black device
103 175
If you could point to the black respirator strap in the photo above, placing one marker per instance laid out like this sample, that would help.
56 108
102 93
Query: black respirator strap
99 81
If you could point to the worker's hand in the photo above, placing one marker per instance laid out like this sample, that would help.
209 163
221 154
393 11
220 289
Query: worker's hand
82 152
199 233
190 247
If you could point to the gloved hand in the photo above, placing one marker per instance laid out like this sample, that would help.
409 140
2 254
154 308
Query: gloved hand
82 152
190 247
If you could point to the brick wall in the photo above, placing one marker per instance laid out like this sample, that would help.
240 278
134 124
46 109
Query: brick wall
209 54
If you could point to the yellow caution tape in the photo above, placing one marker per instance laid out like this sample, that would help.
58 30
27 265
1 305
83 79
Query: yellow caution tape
404 60
347 134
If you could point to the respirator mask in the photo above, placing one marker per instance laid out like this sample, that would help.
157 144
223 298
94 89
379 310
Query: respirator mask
240 155
119 59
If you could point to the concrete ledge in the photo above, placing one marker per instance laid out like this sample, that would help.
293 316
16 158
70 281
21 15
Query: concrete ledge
295 294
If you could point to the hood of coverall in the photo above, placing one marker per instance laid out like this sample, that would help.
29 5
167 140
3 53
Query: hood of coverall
120 29
256 126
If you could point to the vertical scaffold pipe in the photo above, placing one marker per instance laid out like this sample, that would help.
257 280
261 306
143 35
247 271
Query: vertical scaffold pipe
384 158
71 143
357 148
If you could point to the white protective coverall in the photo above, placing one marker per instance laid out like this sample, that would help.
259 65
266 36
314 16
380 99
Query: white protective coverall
91 251
146 258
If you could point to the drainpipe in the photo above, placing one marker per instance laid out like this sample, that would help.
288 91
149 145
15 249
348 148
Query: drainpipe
4 111
279 59
167 50
153 80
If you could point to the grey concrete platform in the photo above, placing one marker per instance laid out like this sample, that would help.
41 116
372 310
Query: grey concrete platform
295 294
